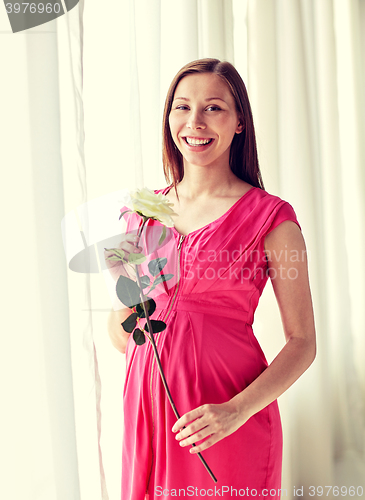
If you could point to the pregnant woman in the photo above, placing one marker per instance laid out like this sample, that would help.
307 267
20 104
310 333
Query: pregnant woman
229 236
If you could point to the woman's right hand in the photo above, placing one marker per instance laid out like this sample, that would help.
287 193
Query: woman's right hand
129 244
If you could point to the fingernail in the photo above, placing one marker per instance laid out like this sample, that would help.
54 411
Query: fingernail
173 429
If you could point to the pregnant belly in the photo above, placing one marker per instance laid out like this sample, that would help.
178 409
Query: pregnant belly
209 357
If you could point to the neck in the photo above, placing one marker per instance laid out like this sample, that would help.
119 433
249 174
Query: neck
206 181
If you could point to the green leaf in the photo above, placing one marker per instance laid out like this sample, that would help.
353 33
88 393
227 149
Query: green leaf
138 337
163 235
119 252
136 258
114 257
130 323
161 278
128 291
157 326
125 212
145 281
155 266
151 307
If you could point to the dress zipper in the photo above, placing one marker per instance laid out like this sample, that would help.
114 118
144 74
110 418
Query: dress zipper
181 239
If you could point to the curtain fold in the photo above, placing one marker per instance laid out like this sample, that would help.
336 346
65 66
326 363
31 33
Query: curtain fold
85 365
38 444
304 71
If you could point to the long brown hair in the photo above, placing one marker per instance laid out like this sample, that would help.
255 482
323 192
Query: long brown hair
243 158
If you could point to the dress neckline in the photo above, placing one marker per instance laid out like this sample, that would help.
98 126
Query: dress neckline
214 221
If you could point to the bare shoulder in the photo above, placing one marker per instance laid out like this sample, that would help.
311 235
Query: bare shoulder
287 233
286 251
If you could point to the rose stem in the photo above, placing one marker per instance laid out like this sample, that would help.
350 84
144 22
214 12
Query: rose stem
143 298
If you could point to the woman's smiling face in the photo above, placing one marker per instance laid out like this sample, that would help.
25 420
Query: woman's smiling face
203 119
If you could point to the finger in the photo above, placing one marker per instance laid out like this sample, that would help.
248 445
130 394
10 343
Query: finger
132 238
195 426
214 438
195 437
129 247
188 417
110 263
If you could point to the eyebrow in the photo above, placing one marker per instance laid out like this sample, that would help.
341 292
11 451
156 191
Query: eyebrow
208 99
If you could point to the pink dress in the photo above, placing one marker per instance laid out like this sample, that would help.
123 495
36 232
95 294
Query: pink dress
209 354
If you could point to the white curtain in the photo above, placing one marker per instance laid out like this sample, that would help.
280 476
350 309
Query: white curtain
81 101
38 436
306 81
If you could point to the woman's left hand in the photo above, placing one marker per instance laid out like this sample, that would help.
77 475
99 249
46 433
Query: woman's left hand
211 422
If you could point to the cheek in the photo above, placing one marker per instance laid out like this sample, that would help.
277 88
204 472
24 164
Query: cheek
229 127
174 127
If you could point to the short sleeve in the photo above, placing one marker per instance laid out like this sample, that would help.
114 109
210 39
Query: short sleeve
285 212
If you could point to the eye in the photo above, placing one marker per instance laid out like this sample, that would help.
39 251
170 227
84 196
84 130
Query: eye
214 108
183 107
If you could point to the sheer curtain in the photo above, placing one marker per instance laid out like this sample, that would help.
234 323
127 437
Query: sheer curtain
81 102
38 436
306 80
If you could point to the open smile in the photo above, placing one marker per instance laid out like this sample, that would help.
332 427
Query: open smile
197 141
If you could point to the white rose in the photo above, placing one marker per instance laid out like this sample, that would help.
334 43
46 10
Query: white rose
152 205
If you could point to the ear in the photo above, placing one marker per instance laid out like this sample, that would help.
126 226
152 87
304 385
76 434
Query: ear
240 126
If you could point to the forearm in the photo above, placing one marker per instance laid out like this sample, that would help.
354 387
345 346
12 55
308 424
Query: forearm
118 336
293 360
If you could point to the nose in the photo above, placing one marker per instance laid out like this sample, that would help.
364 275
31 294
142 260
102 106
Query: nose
195 120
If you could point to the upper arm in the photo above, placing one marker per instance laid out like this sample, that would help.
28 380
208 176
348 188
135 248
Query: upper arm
287 260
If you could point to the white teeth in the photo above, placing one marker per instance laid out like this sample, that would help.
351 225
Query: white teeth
197 142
